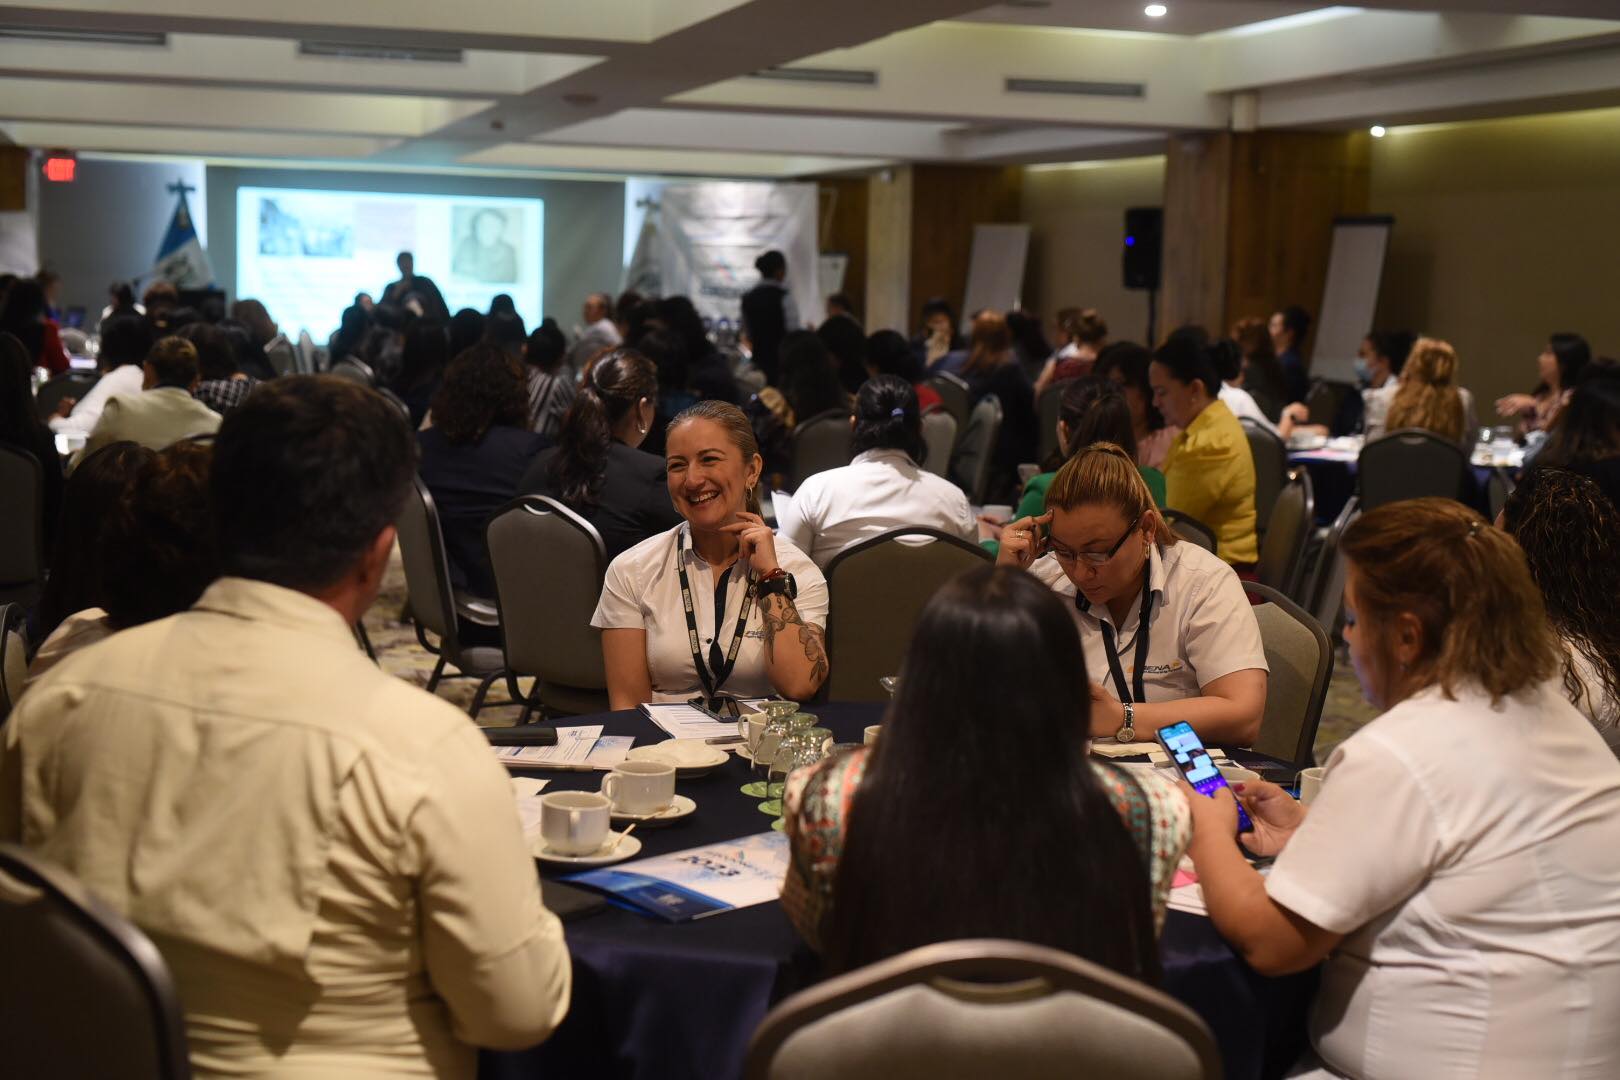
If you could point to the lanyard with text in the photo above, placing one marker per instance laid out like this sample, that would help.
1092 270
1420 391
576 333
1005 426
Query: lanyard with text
1126 692
711 686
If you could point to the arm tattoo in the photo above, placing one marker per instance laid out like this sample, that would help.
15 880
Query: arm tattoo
778 613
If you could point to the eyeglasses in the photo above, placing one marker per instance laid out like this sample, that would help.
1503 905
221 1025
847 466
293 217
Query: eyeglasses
1093 558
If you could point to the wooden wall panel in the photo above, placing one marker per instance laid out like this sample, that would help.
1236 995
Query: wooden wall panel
14 165
844 203
1197 215
888 249
947 201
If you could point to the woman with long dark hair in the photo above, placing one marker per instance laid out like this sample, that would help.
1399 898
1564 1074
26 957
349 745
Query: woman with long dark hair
1587 430
551 385
596 468
1559 365
25 315
867 827
423 361
846 341
884 487
889 353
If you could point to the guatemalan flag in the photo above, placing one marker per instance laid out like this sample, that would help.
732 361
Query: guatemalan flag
181 259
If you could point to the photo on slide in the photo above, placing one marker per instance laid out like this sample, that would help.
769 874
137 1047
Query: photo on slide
485 241
320 236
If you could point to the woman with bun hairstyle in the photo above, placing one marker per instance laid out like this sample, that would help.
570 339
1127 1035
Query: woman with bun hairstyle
597 469
1429 397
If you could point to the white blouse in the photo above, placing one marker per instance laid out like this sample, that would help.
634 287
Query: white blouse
1471 855
642 591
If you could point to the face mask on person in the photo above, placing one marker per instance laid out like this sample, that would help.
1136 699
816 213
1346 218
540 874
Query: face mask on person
1363 372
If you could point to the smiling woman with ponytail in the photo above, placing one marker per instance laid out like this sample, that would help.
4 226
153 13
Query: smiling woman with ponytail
596 469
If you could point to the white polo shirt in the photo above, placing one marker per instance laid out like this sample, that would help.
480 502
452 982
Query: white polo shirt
1200 624
1244 407
878 491
1471 854
642 591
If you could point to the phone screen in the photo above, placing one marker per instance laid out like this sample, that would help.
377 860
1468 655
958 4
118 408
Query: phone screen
1181 742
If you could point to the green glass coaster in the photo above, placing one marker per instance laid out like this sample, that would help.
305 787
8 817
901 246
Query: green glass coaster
755 790
772 807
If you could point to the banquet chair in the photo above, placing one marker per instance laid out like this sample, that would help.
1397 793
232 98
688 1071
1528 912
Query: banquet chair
69 384
1325 596
1047 411
355 370
88 993
975 448
13 658
548 563
395 400
978 1008
876 589
825 441
435 607
1499 487
1324 400
1270 471
939 436
1300 656
954 393
1190 529
22 539
283 358
1293 518
306 353
1410 464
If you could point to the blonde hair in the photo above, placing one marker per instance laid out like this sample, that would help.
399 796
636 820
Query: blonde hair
737 428
1428 397
1105 473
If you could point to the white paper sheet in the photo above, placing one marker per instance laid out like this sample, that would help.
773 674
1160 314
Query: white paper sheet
526 790
574 745
682 721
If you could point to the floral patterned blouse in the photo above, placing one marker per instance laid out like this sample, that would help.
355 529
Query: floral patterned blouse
816 813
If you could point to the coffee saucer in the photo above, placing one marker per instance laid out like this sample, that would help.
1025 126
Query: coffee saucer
691 757
673 812
602 856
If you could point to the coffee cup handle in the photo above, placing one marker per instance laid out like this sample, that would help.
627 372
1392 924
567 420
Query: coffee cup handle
610 787
573 824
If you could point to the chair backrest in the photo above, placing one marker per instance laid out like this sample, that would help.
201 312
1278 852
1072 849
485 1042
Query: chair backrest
13 658
876 589
88 993
396 401
74 340
427 568
306 352
284 359
1410 464
976 447
1300 656
825 441
1006 1009
1048 408
1270 470
1190 528
355 371
955 394
1293 517
22 540
939 435
1326 594
548 563
73 384
1324 399
1499 487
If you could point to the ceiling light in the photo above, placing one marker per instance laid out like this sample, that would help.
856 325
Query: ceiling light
1377 131
76 36
1155 11
353 50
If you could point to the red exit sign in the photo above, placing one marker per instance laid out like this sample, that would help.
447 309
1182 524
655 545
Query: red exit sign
61 168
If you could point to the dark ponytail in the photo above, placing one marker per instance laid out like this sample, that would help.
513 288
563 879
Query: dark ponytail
887 417
612 387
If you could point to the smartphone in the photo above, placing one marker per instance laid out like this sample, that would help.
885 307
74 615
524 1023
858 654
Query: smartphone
1181 742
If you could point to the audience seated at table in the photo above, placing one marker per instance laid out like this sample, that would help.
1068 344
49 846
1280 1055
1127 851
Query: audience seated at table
596 468
887 353
1127 364
22 429
1029 341
598 334
326 856
551 384
883 488
1570 533
125 341
475 454
1459 871
1209 472
939 336
1263 376
25 315
723 557
275 352
1430 396
1586 434
810 387
1227 357
973 763
221 385
1167 631
1379 361
1558 366
1086 334
1289 328
846 345
992 367
154 549
164 412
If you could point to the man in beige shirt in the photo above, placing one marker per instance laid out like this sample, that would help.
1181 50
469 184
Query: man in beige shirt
164 411
329 859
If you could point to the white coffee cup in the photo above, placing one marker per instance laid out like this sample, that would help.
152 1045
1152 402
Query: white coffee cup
751 726
1235 775
640 787
872 734
574 822
1310 782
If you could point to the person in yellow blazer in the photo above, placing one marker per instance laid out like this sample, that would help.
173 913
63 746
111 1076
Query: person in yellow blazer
1209 472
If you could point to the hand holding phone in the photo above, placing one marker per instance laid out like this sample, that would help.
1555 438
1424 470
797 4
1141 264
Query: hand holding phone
1181 742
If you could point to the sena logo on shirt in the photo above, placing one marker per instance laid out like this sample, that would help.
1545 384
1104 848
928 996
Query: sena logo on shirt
1159 669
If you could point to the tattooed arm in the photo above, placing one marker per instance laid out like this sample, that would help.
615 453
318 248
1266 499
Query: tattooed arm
795 652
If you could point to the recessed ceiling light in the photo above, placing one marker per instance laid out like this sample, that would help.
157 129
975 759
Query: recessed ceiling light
1377 131
1155 11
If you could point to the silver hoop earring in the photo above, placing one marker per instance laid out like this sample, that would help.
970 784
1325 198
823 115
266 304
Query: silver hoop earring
640 430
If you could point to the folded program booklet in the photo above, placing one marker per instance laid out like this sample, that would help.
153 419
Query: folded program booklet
697 882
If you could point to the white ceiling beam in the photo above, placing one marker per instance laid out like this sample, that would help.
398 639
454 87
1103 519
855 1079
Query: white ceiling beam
665 162
690 129
190 142
1048 144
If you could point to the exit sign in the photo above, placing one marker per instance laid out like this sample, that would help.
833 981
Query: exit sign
61 168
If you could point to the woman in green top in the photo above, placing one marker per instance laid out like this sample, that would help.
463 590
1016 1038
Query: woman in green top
1093 409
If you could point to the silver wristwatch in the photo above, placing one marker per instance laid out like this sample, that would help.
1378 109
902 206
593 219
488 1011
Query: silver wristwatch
1127 734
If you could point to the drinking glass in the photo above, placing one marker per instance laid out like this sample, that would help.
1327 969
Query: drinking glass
797 751
778 727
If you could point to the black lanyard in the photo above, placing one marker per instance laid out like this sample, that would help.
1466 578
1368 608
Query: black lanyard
712 685
1126 692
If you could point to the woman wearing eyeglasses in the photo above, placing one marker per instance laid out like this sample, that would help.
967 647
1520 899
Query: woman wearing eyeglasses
1167 631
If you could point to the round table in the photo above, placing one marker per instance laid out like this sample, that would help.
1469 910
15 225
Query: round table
673 1001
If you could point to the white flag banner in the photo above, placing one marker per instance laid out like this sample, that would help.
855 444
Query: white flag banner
182 260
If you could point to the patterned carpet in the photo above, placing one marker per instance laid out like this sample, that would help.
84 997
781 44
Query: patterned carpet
399 653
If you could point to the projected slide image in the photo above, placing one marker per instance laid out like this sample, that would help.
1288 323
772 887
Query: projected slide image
305 252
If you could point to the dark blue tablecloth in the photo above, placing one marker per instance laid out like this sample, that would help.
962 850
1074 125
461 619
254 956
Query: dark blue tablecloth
653 1000
1333 482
